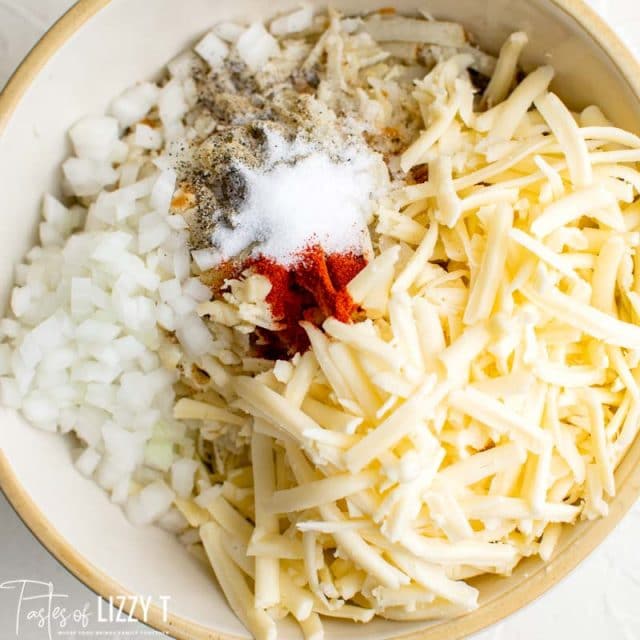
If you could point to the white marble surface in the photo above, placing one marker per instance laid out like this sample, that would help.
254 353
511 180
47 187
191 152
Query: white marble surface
598 601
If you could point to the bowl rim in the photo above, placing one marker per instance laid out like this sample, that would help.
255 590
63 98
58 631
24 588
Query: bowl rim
182 629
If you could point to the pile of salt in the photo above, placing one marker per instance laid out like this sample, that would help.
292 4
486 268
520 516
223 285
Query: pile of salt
302 196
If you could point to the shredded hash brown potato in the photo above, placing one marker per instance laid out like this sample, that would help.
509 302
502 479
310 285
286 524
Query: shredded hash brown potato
492 386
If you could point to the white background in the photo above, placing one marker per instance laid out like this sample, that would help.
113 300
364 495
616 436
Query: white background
598 601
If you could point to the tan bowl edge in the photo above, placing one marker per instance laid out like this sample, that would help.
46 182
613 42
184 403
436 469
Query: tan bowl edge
490 612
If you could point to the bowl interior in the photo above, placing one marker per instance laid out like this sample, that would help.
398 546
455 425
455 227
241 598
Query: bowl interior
125 42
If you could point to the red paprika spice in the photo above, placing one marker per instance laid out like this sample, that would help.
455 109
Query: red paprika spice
313 288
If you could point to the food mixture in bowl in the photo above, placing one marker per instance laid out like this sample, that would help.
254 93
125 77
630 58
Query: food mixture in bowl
346 304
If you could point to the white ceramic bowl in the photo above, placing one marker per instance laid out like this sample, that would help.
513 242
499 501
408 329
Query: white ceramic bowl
98 49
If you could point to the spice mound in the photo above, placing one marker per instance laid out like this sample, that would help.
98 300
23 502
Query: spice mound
289 198
312 288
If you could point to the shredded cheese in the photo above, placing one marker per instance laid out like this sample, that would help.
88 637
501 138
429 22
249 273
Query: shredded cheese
570 208
487 280
508 114
506 69
565 129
